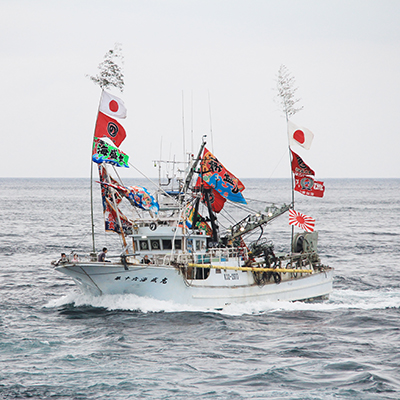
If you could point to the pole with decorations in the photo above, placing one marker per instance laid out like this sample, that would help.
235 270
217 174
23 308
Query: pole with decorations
301 174
286 91
110 75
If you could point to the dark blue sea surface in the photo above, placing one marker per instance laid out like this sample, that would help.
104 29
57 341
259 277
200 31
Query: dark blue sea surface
56 343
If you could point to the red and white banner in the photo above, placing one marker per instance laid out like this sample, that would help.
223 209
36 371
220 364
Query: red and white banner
301 220
112 105
109 127
308 186
299 167
299 135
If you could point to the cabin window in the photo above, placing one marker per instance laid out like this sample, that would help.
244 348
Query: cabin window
144 244
200 244
178 244
197 273
202 273
189 245
167 244
155 244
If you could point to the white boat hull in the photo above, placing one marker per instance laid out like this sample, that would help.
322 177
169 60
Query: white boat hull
222 287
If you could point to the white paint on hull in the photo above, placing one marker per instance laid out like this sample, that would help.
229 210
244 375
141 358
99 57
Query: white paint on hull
218 290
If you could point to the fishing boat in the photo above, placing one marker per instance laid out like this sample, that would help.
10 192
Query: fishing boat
173 247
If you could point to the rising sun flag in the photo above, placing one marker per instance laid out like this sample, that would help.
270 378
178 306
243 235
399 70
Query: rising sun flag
301 220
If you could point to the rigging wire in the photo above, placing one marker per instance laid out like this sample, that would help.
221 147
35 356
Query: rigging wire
277 165
244 208
152 182
225 214
259 201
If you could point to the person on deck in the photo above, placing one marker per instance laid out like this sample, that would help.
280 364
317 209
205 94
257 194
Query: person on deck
102 256
62 260
146 260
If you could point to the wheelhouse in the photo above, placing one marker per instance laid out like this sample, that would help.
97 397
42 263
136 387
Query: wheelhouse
165 239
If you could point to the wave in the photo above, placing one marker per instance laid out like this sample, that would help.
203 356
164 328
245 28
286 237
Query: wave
339 300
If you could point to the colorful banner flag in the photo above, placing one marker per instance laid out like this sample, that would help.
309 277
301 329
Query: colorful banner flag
111 219
138 196
110 208
219 178
109 127
301 220
308 186
200 224
299 135
216 200
103 152
105 191
142 198
112 105
299 167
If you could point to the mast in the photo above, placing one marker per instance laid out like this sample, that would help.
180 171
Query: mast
291 176
214 226
91 206
286 95
110 75
194 166
91 178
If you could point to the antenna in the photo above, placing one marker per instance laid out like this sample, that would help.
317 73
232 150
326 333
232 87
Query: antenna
183 126
159 166
209 112
191 122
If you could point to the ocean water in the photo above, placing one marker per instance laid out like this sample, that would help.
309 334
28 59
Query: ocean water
56 343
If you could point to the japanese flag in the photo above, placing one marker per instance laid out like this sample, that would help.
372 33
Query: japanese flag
299 135
301 220
112 105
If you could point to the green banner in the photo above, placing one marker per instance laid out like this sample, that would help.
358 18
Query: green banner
103 152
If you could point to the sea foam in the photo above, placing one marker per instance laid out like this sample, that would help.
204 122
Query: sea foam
339 299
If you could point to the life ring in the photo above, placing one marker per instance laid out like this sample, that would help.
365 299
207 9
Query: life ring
153 226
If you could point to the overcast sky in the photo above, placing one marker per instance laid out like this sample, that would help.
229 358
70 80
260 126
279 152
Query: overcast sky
218 55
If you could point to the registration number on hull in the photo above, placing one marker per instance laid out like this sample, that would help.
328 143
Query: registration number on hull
231 277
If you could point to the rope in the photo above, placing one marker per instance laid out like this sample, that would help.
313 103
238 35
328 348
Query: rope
253 269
